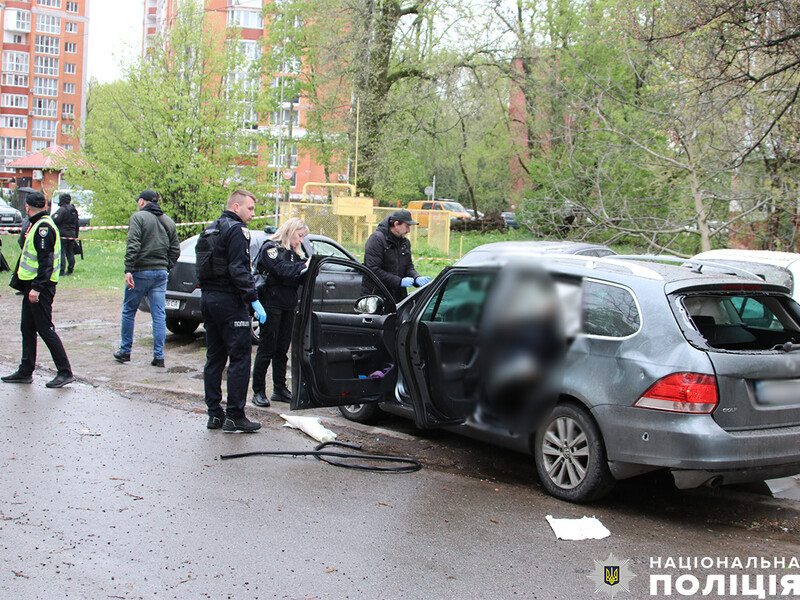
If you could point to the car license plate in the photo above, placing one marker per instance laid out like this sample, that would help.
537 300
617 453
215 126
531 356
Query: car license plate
778 392
170 304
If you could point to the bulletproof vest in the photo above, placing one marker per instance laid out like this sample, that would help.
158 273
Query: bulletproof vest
209 262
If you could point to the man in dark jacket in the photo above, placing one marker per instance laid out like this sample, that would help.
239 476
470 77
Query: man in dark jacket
66 219
36 276
152 250
227 286
388 255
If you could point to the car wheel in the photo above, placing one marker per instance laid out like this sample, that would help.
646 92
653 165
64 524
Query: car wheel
361 413
571 457
181 326
255 329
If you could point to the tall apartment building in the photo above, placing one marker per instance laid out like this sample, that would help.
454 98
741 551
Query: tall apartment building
43 81
280 161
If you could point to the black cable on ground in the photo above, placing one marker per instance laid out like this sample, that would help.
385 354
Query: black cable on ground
409 464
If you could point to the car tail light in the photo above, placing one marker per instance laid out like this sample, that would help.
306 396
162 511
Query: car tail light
683 393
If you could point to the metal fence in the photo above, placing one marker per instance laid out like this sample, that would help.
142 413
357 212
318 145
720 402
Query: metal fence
350 221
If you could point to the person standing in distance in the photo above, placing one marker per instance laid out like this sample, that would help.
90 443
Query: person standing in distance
66 219
388 255
227 287
151 251
36 277
282 260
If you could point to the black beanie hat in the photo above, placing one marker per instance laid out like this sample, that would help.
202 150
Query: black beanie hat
36 199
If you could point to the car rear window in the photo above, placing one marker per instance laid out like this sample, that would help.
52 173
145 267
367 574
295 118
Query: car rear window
743 321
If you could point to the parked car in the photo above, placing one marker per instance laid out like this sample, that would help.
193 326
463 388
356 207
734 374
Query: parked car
482 253
775 267
510 220
665 368
419 210
335 293
9 216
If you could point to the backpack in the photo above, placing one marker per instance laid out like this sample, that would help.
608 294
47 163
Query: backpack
208 262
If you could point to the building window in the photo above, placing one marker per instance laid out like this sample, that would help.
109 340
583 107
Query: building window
69 68
14 146
45 65
245 18
48 24
16 62
250 49
281 118
44 108
46 44
68 129
71 47
17 39
45 87
44 128
52 3
68 111
70 27
39 145
19 22
67 147
69 88
14 101
72 7
15 122
14 79
279 160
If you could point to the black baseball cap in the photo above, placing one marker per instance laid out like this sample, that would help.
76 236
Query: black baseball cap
403 216
148 196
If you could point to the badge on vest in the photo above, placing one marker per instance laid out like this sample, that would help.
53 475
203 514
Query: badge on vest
245 233
43 231
272 253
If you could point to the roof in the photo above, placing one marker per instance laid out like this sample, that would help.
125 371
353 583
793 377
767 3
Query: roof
53 158
769 257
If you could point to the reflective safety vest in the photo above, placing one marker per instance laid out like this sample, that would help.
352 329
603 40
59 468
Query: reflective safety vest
29 261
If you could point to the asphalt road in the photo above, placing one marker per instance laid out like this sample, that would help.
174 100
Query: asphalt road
113 488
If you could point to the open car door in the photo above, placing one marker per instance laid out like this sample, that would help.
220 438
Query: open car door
341 358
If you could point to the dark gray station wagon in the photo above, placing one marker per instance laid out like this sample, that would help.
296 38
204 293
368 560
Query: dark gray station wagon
666 366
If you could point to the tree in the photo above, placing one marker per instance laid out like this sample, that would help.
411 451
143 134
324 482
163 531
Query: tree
177 123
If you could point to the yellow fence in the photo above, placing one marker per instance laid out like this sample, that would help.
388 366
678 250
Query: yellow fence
350 221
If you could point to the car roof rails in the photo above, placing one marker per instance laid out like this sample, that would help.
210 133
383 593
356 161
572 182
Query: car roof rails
697 265
592 262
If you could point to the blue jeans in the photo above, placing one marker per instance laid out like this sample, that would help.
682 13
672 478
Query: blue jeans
152 284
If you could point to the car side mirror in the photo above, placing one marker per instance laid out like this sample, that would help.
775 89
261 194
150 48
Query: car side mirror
369 305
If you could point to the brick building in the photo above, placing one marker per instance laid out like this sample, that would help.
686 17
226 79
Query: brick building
43 81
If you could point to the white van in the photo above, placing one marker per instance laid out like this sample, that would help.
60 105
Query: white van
773 267
81 200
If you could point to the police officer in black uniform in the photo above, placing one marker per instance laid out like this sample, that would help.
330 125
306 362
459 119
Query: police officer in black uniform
281 259
36 277
66 219
226 292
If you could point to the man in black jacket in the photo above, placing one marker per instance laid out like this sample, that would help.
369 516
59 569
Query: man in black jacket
66 219
227 286
388 255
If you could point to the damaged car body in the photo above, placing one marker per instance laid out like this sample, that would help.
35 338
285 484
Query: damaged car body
639 366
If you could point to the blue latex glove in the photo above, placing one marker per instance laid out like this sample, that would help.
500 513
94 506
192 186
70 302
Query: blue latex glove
261 314
423 280
407 282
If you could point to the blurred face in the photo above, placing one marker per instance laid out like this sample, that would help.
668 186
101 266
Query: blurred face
245 208
401 229
297 239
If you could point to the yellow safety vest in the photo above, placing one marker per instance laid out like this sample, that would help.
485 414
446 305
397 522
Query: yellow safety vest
29 261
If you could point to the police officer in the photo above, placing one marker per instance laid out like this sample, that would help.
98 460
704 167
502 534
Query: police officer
227 286
66 218
281 260
36 277
388 255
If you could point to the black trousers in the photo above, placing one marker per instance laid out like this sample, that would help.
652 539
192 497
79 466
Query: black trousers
227 324
67 255
273 345
37 319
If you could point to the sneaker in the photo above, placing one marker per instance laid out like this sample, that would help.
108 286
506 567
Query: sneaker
122 357
259 399
60 381
242 423
281 395
214 422
18 377
157 362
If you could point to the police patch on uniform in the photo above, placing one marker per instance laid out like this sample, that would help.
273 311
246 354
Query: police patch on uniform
272 253
43 231
246 233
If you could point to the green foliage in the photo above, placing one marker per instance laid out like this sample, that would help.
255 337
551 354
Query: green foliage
173 124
